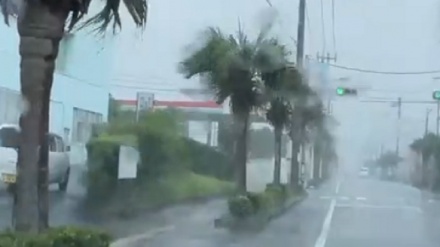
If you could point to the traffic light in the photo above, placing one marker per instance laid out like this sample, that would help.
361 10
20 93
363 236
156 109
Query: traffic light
341 91
436 95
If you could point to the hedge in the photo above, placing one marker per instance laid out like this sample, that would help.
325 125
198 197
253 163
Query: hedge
57 237
244 206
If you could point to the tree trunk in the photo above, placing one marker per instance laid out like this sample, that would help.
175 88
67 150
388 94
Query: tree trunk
316 162
242 122
277 164
41 28
294 164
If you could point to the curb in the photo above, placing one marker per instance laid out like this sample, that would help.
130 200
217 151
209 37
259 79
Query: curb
134 240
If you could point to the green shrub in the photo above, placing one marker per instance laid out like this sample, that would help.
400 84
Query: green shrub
208 161
57 237
240 206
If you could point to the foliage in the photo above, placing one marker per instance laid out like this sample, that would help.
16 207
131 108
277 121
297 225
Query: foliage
389 159
251 203
78 9
164 154
57 237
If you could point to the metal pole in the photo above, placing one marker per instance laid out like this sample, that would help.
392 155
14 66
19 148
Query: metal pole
427 121
300 33
437 119
399 113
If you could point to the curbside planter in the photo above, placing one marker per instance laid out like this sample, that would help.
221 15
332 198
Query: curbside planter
258 221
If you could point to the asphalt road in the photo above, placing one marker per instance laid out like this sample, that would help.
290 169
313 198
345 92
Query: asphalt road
346 212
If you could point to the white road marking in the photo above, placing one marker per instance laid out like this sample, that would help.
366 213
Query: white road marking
360 198
344 198
320 242
379 207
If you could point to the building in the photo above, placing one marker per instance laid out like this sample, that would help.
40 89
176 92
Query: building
80 94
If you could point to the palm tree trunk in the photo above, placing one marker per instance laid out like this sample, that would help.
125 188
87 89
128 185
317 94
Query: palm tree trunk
277 164
316 162
41 28
240 151
294 164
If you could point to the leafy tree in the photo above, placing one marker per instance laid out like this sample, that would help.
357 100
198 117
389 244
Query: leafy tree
230 66
41 26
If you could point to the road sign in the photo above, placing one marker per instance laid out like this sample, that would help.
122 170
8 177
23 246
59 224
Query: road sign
145 101
128 161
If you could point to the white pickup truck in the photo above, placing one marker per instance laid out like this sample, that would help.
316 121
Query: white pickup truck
59 165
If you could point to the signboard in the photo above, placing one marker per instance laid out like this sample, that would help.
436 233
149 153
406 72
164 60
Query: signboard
145 101
128 161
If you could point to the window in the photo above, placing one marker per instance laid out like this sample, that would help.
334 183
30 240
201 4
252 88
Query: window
9 137
52 143
60 144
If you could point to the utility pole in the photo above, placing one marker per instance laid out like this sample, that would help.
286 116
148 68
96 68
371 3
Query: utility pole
399 113
300 34
427 121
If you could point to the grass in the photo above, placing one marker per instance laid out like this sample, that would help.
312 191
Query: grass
169 190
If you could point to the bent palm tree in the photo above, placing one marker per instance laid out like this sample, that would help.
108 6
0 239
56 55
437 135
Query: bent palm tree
41 26
284 84
230 67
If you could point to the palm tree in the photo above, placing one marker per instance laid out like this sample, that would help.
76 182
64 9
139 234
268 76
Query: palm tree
231 67
278 116
283 84
41 26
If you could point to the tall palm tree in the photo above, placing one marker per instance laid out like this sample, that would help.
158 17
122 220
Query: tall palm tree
231 67
41 26
283 84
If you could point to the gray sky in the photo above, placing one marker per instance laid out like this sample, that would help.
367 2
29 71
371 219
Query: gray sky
384 35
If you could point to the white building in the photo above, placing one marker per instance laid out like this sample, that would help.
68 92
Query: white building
80 93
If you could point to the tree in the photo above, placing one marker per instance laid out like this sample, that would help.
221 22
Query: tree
307 110
284 84
231 67
41 26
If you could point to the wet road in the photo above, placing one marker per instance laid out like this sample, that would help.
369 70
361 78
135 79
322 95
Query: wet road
348 212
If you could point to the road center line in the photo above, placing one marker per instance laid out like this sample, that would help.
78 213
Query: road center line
320 242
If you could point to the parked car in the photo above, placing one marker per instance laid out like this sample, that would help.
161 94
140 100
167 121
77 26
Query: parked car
59 164
364 172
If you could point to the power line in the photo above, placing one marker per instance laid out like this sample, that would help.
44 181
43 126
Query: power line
323 27
370 71
333 25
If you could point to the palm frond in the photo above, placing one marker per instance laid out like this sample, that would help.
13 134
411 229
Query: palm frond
138 10
9 8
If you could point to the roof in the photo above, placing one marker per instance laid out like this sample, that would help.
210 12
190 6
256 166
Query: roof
189 104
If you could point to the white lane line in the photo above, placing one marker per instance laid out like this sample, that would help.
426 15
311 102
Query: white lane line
325 197
344 198
320 242
360 198
379 207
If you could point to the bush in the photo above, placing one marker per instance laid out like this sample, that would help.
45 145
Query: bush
57 237
240 206
208 161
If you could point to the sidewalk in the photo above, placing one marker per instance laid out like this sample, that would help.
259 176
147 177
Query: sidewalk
178 220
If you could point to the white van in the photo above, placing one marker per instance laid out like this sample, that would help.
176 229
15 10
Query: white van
59 165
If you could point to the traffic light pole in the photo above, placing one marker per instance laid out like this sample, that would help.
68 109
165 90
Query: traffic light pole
437 119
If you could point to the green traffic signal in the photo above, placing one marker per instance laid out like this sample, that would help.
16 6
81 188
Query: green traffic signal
340 91
436 95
